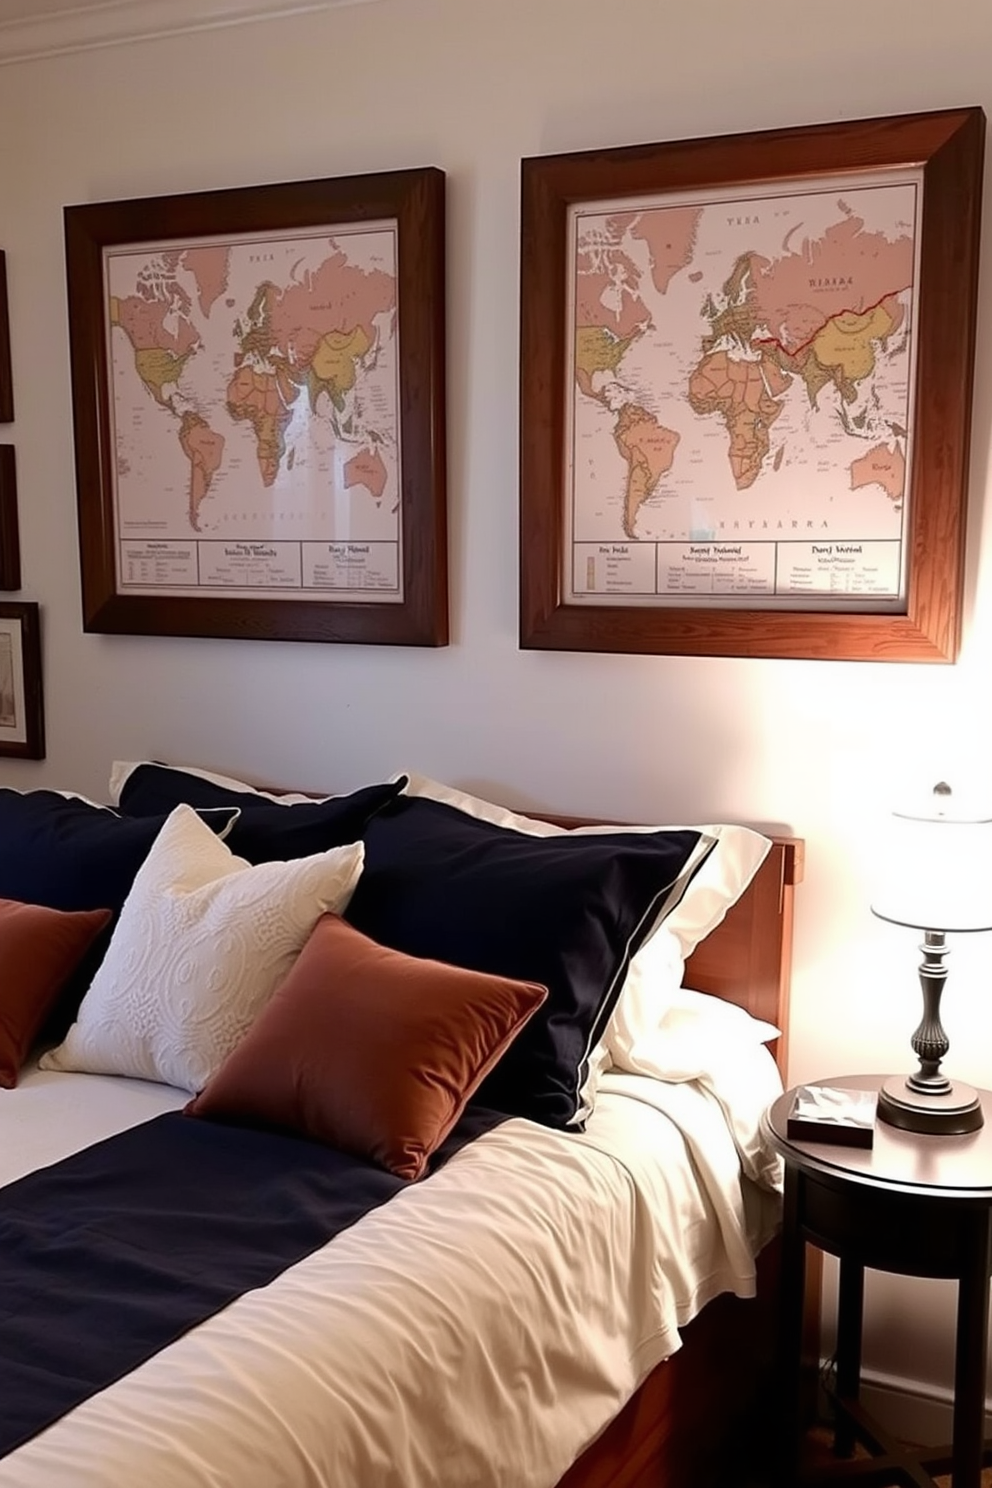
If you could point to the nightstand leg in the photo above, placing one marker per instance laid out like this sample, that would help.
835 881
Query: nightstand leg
970 1361
850 1317
790 1340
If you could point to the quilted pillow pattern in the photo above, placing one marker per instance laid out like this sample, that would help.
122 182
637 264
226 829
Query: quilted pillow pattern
202 942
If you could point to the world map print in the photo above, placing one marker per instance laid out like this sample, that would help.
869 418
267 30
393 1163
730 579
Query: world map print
742 372
255 413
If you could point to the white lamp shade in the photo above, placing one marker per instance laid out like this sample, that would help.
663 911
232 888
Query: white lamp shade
936 868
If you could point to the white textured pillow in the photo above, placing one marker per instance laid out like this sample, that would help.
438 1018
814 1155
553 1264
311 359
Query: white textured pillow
202 942
655 972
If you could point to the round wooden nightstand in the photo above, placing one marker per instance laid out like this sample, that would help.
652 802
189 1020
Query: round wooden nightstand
915 1205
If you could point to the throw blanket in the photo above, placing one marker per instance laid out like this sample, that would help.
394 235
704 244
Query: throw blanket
113 1253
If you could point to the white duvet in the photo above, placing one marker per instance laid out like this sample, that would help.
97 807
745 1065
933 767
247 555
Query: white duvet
477 1331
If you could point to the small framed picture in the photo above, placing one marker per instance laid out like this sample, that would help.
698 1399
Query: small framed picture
6 378
10 551
22 725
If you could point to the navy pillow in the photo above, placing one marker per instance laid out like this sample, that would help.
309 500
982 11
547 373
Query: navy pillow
566 911
69 854
266 830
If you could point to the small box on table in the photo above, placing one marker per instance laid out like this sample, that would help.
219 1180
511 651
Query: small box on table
825 1113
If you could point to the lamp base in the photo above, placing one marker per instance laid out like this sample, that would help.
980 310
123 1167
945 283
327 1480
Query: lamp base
952 1114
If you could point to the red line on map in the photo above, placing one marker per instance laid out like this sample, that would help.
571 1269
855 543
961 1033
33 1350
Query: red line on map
797 350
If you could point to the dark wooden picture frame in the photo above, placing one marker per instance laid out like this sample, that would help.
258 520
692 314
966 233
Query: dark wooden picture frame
413 200
22 719
948 147
6 372
10 547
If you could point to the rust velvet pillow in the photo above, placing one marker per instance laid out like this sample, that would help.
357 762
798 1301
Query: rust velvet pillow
40 948
369 1050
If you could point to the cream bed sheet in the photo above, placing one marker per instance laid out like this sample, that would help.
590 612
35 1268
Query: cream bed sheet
477 1331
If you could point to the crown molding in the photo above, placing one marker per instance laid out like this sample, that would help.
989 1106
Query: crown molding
114 22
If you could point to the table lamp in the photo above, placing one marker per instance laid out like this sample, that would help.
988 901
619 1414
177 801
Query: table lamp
937 877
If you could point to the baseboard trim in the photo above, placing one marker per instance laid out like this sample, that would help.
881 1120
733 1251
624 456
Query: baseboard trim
912 1411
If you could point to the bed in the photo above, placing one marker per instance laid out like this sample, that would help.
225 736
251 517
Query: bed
522 1315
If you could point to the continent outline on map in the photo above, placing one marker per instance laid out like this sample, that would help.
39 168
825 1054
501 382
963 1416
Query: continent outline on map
316 335
820 314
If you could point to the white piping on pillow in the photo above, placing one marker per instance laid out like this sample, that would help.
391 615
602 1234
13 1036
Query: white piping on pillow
121 769
206 813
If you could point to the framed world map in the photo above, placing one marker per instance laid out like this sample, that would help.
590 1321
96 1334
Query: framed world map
746 368
258 402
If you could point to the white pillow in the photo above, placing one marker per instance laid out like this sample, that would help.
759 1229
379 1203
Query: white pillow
202 942
696 1035
723 1049
655 972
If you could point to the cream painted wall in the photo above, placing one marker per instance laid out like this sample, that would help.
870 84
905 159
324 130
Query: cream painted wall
817 748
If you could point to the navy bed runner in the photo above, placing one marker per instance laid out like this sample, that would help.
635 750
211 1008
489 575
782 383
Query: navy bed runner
111 1254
